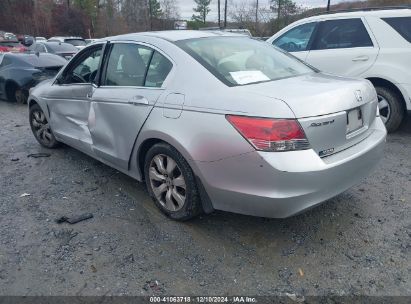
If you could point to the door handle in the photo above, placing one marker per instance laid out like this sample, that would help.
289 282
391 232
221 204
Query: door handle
361 58
89 95
138 100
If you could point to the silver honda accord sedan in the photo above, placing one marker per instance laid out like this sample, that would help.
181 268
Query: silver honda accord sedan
213 120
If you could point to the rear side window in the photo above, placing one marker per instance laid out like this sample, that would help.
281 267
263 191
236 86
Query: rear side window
402 25
127 65
296 39
136 65
343 33
158 70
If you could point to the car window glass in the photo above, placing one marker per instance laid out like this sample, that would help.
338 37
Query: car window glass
343 33
86 70
402 25
127 65
241 60
296 39
158 70
6 61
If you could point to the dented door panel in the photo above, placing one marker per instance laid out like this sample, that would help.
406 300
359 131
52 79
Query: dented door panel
116 117
69 109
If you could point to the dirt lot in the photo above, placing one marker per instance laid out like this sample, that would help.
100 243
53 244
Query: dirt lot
356 243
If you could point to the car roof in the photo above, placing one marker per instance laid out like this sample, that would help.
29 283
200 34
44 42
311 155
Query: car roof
361 13
174 35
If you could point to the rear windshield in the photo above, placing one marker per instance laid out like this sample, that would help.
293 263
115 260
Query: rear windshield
42 60
10 43
61 47
76 42
240 61
402 25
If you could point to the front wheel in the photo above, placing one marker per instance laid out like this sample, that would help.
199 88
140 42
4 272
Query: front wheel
391 108
41 128
171 183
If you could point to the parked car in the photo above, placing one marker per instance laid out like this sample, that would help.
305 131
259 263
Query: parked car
25 40
88 41
371 44
11 46
38 39
20 72
213 121
78 42
65 50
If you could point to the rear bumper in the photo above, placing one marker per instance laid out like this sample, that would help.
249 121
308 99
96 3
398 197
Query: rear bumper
282 184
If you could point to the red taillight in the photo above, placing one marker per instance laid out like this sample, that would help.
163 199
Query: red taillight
268 134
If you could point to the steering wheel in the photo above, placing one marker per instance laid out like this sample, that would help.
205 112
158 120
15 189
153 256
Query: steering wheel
79 77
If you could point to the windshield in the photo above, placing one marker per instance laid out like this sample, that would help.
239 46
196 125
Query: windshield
76 42
239 61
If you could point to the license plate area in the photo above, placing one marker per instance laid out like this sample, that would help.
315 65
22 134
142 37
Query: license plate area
354 120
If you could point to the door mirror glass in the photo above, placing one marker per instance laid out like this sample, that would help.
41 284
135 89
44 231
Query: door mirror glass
296 39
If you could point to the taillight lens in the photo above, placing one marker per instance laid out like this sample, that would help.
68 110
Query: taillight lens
268 134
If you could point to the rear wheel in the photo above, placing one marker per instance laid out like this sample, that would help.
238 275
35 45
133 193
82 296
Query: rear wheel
16 94
171 183
41 128
391 108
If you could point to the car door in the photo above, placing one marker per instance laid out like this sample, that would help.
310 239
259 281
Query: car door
297 40
131 83
343 47
70 96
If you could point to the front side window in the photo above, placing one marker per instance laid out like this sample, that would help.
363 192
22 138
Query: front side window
402 25
85 69
296 39
343 33
238 61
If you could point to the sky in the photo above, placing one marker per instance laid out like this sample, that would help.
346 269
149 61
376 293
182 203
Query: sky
186 6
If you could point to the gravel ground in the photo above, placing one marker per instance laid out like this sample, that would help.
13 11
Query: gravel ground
355 244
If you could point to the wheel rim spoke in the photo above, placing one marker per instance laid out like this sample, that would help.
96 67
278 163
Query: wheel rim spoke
171 165
179 182
384 108
155 175
159 161
169 201
178 197
158 191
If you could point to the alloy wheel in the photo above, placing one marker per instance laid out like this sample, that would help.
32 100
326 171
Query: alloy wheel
41 127
167 182
385 108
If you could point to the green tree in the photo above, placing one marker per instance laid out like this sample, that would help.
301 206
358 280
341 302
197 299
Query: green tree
155 9
283 9
203 8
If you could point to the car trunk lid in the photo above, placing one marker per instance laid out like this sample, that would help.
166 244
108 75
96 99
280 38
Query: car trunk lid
335 113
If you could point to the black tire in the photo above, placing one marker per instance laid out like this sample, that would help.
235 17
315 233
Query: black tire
396 108
11 89
192 203
45 137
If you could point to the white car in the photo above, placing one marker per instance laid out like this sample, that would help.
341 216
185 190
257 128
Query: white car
78 42
372 44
